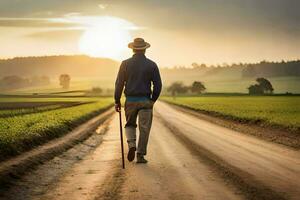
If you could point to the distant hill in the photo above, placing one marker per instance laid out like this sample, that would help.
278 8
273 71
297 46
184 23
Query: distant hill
234 71
272 69
87 72
84 66
53 66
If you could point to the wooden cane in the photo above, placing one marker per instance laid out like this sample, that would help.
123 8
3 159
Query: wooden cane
121 136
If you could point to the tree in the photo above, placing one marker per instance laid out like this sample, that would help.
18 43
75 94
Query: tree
255 89
97 90
195 65
198 66
198 87
177 88
265 84
64 81
13 82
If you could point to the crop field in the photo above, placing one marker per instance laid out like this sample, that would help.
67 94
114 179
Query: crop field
280 111
44 100
34 108
41 119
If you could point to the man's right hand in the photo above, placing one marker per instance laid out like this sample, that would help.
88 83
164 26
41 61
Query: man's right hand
118 107
152 103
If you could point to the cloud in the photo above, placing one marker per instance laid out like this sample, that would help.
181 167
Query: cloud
103 6
72 14
29 8
213 15
69 21
71 26
56 35
36 22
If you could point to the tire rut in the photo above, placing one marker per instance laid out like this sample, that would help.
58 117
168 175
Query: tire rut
243 181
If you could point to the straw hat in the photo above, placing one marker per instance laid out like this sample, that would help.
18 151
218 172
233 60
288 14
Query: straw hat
139 44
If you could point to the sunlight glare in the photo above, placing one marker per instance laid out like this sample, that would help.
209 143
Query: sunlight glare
107 37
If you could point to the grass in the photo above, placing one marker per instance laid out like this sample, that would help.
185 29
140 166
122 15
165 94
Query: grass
29 101
23 111
47 99
281 84
280 111
232 82
23 132
34 108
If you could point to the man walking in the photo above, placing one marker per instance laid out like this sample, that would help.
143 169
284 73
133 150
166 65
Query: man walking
138 74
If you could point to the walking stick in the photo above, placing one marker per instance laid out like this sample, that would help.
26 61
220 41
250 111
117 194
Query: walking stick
121 135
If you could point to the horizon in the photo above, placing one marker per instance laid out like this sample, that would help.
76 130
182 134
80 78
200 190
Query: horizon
210 32
222 64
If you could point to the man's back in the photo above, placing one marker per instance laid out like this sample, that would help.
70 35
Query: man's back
136 74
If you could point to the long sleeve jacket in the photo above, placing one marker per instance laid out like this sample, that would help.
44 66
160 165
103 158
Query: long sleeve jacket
137 74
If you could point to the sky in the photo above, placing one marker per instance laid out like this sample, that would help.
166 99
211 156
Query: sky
180 32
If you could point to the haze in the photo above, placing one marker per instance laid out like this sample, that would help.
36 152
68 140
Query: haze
180 32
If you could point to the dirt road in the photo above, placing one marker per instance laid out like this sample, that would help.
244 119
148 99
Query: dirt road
189 158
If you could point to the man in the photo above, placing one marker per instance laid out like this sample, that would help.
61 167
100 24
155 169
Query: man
137 74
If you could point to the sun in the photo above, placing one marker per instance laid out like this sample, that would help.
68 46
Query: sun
106 37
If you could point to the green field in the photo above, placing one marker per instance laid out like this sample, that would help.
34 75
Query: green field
46 100
280 111
228 80
24 128
231 83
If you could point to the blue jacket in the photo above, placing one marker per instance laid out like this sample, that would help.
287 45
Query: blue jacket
136 74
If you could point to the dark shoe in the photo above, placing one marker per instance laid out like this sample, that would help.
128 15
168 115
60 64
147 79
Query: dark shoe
141 159
131 154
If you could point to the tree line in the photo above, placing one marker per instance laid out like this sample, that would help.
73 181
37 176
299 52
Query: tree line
248 70
262 86
179 88
272 69
15 82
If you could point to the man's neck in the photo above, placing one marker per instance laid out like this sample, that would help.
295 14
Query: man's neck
139 54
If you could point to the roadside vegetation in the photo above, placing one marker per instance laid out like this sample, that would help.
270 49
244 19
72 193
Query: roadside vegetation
23 128
22 111
282 111
35 108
